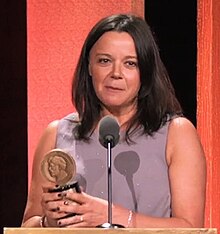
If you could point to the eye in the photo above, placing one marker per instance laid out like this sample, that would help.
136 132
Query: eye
103 60
131 64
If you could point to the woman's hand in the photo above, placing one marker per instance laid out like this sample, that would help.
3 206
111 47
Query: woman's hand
71 209
51 205
87 211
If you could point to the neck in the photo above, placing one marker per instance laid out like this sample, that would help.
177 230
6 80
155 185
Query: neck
123 116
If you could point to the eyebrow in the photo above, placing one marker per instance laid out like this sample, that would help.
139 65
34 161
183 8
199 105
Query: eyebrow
108 55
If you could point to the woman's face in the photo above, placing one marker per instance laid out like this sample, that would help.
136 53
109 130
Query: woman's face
114 70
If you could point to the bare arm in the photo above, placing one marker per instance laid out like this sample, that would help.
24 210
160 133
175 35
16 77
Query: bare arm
33 211
187 172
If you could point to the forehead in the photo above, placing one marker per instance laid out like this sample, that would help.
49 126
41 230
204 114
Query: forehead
114 39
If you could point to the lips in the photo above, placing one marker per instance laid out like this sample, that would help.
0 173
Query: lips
113 88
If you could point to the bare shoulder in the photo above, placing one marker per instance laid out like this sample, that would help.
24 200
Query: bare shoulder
50 131
51 127
183 139
181 123
181 128
187 171
46 142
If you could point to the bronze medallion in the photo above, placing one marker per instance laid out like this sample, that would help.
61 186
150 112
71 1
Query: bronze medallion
58 167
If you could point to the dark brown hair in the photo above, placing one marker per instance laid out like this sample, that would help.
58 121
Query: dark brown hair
156 98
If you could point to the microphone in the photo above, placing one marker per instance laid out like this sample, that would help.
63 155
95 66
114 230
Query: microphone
108 131
109 138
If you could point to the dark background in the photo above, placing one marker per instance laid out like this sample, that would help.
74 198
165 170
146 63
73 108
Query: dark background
174 24
13 106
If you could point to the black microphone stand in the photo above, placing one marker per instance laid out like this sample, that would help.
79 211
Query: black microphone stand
109 166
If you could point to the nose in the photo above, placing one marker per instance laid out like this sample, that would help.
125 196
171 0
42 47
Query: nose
116 71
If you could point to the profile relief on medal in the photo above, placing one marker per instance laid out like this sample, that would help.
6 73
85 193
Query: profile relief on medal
58 167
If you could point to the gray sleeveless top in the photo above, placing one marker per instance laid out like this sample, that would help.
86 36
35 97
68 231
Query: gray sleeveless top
139 171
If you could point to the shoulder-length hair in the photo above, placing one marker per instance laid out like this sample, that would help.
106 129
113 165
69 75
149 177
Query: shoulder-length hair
156 98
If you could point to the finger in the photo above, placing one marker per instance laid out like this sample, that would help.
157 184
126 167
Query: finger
77 197
51 206
47 197
76 220
47 188
55 206
70 206
52 219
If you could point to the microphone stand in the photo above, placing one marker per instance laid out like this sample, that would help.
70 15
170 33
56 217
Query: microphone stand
109 166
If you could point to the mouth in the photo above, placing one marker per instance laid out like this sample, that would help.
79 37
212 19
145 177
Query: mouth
112 88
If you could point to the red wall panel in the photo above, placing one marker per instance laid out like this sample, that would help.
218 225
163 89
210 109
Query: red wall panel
56 30
208 94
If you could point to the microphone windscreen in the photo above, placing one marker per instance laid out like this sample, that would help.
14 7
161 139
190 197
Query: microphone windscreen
108 131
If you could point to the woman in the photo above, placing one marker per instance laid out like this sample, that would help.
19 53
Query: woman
159 170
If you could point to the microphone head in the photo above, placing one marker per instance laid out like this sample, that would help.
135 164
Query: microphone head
108 131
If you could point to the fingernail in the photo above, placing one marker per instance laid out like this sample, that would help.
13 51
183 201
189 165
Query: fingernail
56 209
66 203
59 194
59 223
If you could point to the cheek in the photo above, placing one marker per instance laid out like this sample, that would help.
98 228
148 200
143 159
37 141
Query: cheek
97 85
97 78
136 90
134 82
